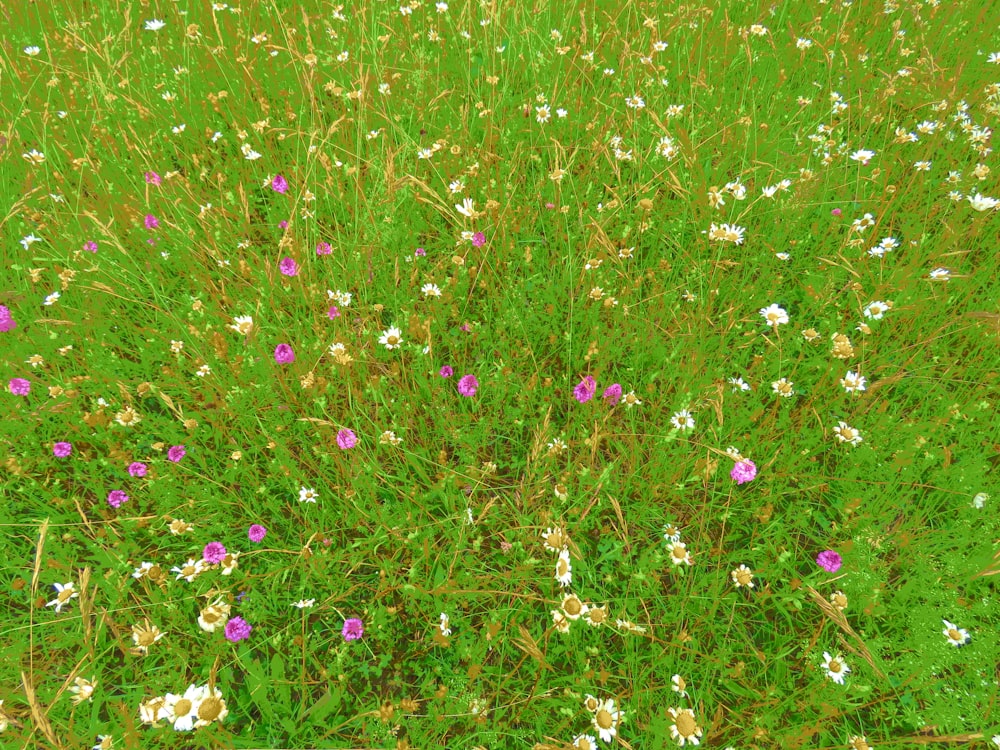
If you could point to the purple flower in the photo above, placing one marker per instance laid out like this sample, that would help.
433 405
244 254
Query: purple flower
283 354
214 552
612 394
836 212
585 389
288 267
478 239
61 450
116 498
256 532
238 629
176 453
137 469
743 471
353 629
279 184
324 248
420 252
90 246
467 385
282 224
20 386
346 439
333 312
829 560
446 372
152 178
151 222
6 320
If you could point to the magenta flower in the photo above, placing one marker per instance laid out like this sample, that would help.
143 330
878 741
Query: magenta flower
585 389
176 453
836 212
152 178
353 629
324 248
446 372
256 532
288 267
612 394
279 184
282 224
7 322
333 312
743 471
346 439
478 239
550 206
829 560
90 246
61 450
214 552
238 629
467 385
283 354
137 469
420 252
116 498
151 222
20 386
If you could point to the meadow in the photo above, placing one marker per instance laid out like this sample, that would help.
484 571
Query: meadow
499 375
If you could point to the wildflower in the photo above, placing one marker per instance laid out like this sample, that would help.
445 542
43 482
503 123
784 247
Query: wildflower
564 571
467 385
940 273
137 469
595 616
876 310
572 607
307 495
430 290
211 707
391 338
444 625
839 600
7 322
176 453
979 501
682 420
836 669
858 743
685 728
742 576
847 434
743 471
774 315
555 540
283 354
238 629
829 560
64 592
242 324
478 239
671 533
62 449
346 439
353 629
213 553
214 616
738 384
288 266
150 711
304 603
151 221
190 570
116 498
559 621
279 184
229 562
956 636
584 742
83 690
51 299
179 526
128 417
679 685
612 394
982 202
256 532
181 710
630 399
446 372
19 386
679 554
783 387
145 636
155 24
853 382
606 720
585 389
863 156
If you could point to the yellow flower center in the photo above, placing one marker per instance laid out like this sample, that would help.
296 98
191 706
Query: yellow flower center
604 719
685 724
681 684
145 638
839 601
743 577
954 634
210 616
597 615
555 539
562 567
392 340
182 707
679 552
65 594
572 606
835 666
210 709
188 570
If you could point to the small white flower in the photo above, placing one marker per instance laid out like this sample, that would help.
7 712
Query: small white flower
564 570
863 156
307 495
980 500
956 636
32 51
853 382
155 24
304 603
51 299
444 625
682 420
774 315
28 241
942 274
738 384
875 310
836 668
65 592
982 202
430 290
391 338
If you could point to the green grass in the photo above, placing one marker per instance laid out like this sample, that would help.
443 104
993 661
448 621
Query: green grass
451 518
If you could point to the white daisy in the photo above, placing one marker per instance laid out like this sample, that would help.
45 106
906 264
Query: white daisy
430 290
742 576
190 570
304 603
682 420
155 24
853 382
679 685
836 668
242 324
875 310
774 315
606 720
391 338
685 728
65 592
182 710
564 571
444 625
956 636
847 434
307 495
863 156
